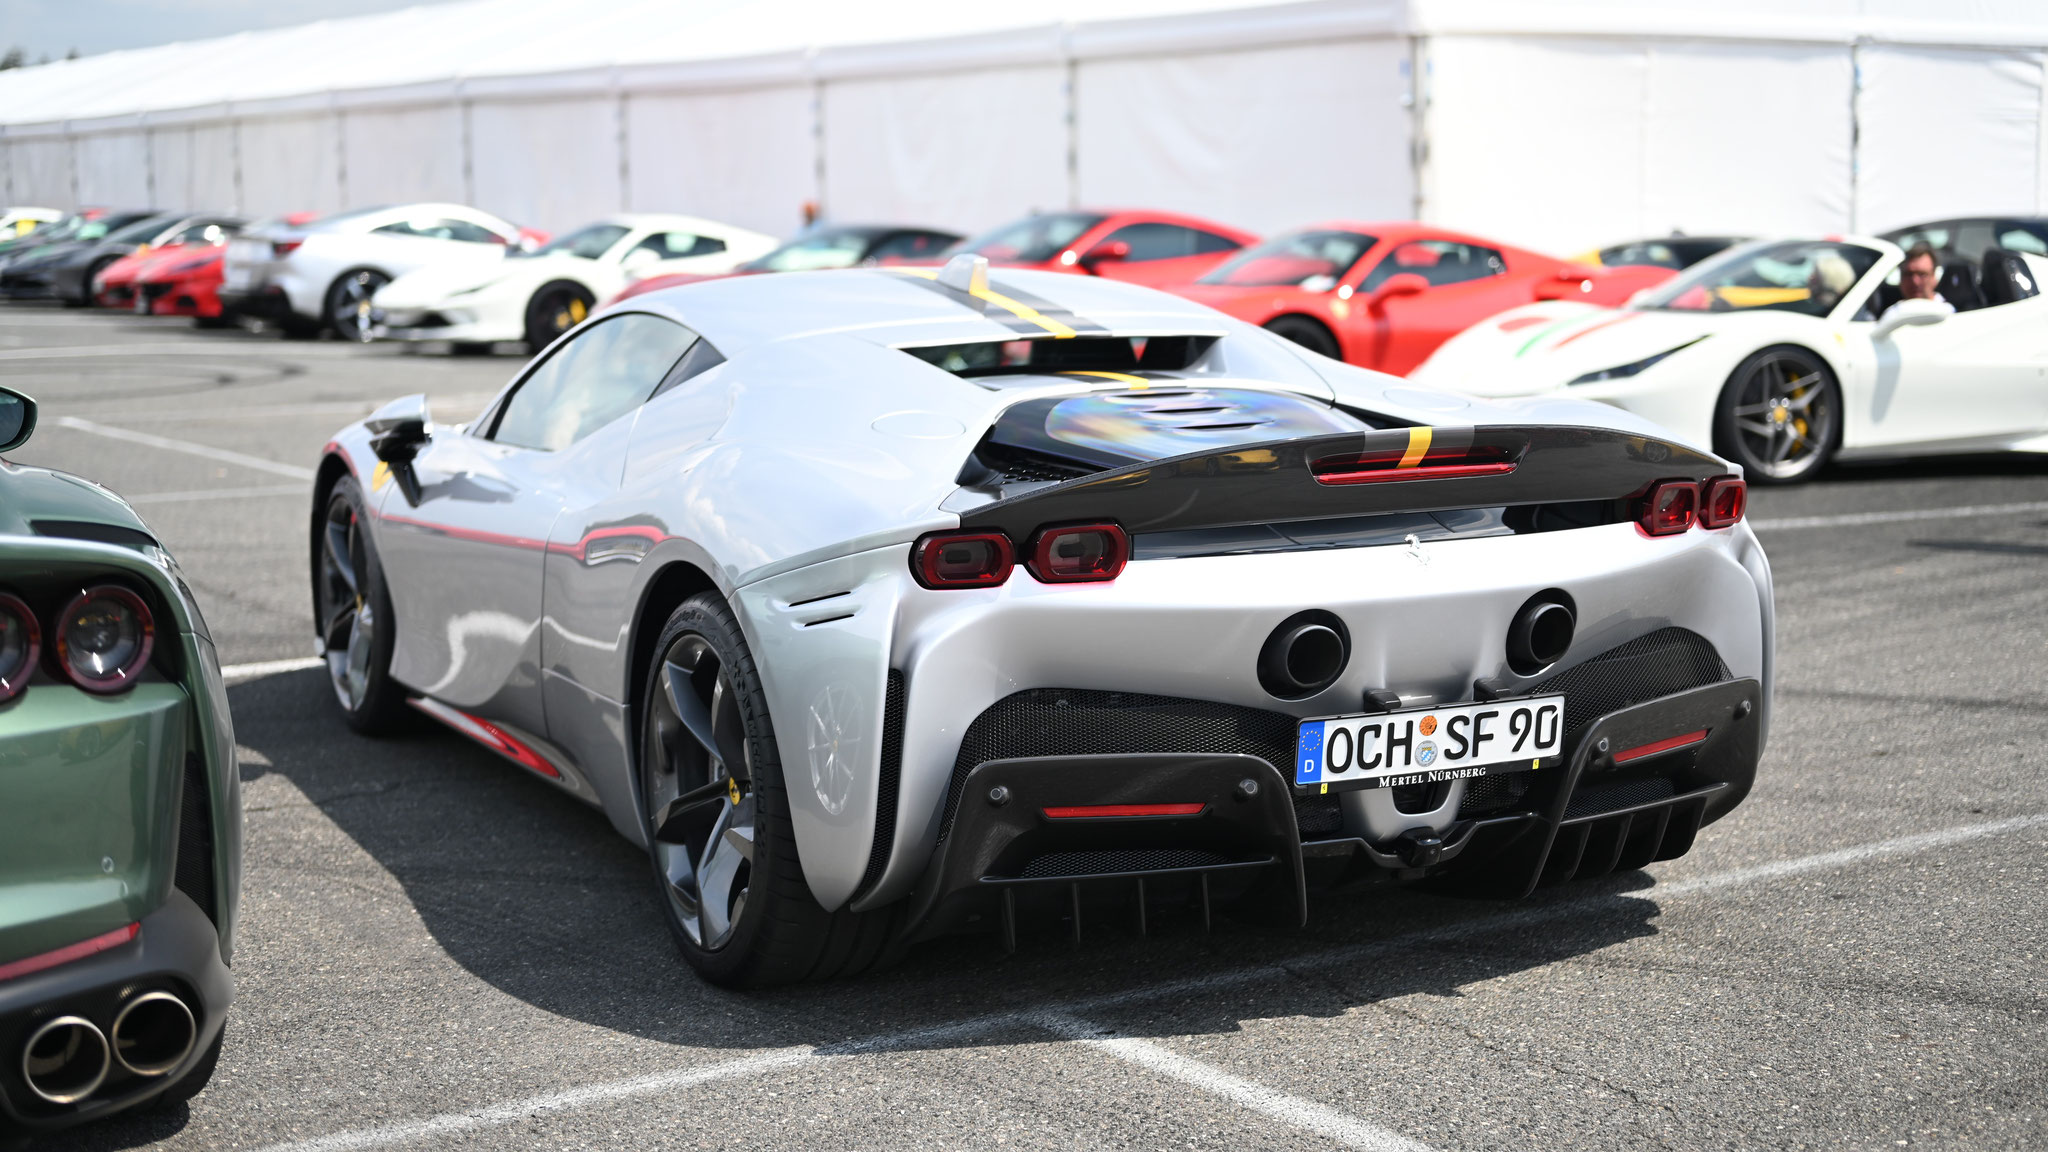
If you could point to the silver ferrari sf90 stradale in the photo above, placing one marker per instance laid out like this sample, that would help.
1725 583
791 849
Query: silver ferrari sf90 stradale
885 604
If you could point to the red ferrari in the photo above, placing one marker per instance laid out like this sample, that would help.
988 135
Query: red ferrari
1384 295
1159 249
186 286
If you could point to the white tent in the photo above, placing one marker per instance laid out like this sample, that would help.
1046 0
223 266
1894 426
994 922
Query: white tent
1556 125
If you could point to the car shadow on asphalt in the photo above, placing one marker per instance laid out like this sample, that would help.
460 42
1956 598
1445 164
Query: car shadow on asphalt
536 894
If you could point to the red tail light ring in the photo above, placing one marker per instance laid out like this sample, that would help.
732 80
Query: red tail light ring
104 638
1079 553
1725 500
962 559
21 646
1669 508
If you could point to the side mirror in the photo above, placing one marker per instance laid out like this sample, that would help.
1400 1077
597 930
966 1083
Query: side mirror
1399 284
1109 253
1909 313
396 432
17 419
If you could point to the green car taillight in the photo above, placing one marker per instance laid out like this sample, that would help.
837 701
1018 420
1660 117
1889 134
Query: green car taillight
21 645
103 638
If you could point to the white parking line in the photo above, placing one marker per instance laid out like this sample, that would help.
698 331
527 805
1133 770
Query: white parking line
189 448
1851 519
1305 1114
233 673
1271 1103
196 494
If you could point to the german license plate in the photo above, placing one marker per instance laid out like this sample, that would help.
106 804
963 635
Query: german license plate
1428 745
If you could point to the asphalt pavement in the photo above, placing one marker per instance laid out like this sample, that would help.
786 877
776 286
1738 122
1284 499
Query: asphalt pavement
438 951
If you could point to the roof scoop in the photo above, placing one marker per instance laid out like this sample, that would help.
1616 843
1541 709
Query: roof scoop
966 273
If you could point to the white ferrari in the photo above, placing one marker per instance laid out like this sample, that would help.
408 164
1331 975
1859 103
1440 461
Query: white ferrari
1784 354
306 277
537 296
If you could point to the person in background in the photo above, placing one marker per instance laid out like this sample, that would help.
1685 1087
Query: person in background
1917 277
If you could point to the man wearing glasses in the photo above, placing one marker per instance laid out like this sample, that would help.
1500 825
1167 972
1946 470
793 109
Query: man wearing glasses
1917 278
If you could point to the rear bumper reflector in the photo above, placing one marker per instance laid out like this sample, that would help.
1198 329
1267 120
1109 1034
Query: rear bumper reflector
69 952
1087 811
1676 742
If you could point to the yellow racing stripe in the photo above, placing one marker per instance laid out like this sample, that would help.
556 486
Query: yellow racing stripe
1137 383
1418 443
1021 311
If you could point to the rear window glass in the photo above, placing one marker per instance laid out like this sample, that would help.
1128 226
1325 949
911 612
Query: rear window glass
1033 239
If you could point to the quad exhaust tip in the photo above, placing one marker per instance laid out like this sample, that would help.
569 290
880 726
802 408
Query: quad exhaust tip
1304 655
154 1033
65 1060
1541 632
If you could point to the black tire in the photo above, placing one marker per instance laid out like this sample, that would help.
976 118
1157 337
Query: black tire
195 1081
1310 334
352 614
224 320
555 308
1779 415
85 283
347 311
771 930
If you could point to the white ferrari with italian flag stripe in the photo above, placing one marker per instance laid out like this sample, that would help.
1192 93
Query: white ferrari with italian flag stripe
876 605
1782 355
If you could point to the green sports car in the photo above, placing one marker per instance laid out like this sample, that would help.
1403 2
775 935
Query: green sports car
120 808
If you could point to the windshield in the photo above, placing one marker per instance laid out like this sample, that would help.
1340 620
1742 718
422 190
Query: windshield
1806 276
140 231
589 242
1312 260
809 253
1031 240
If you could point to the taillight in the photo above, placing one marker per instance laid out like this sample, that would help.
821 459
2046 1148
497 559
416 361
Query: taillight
1670 507
21 644
1075 553
103 638
1725 500
962 559
279 249
1394 464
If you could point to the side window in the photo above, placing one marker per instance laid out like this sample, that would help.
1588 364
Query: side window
1209 243
679 245
909 246
443 229
1154 241
609 369
1437 261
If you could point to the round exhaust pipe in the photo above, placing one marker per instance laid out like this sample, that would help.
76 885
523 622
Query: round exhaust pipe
65 1060
153 1033
1304 655
1541 632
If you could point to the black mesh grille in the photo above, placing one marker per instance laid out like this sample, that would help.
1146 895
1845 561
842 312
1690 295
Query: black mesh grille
1078 722
888 783
1486 795
1597 798
194 874
1318 815
1665 661
1118 860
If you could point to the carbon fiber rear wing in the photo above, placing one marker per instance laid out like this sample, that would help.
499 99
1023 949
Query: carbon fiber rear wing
1358 473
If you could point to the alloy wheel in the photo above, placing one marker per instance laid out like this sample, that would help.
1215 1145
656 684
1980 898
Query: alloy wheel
348 616
1784 416
352 308
696 778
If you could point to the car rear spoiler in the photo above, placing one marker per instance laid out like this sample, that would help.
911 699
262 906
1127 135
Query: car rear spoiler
1358 473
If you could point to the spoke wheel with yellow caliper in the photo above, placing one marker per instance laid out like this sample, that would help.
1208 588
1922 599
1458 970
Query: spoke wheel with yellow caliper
1779 416
555 309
